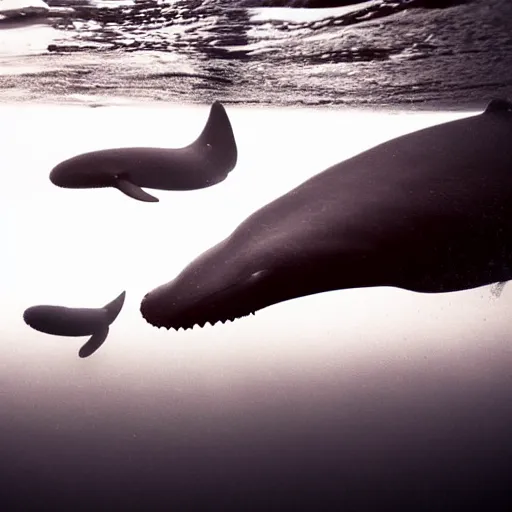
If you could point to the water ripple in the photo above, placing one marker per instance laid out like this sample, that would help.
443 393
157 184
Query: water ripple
374 53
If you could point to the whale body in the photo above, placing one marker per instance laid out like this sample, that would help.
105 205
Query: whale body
63 321
203 163
430 211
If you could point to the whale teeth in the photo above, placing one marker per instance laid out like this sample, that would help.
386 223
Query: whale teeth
200 323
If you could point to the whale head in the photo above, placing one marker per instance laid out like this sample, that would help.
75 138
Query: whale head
215 287
37 316
88 170
260 264
250 270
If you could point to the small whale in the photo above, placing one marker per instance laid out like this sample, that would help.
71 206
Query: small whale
63 321
430 211
205 162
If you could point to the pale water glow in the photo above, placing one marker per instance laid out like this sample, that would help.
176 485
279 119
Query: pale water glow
379 386
81 248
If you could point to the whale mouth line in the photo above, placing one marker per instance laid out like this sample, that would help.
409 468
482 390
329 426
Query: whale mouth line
195 314
189 325
221 306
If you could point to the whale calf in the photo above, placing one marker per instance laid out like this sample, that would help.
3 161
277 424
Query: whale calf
430 211
203 163
64 321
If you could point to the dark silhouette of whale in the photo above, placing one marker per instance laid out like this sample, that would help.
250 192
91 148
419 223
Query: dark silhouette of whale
430 211
64 321
205 162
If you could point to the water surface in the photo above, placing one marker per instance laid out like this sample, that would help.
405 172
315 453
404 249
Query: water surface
369 54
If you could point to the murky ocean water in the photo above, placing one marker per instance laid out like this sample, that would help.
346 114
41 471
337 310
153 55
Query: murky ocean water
374 53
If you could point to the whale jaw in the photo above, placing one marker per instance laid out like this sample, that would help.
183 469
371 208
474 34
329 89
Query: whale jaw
170 319
182 304
187 323
159 310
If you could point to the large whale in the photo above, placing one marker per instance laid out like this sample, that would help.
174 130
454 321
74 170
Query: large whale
63 321
203 163
430 211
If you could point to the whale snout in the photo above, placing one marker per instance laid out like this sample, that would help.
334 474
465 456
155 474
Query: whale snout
62 176
36 317
82 171
188 301
55 175
156 310
28 316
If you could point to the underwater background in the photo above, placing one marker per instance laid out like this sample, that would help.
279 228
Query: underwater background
365 399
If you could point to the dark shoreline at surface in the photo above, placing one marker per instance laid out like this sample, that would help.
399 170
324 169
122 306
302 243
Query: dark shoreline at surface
420 107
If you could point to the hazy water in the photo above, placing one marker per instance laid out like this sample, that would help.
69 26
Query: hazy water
350 396
374 53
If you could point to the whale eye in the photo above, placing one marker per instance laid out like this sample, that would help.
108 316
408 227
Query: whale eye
257 275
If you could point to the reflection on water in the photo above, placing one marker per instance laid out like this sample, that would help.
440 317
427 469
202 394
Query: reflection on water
371 53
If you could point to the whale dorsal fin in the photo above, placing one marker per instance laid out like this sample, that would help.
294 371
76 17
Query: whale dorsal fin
217 137
134 191
114 308
498 105
216 124
93 343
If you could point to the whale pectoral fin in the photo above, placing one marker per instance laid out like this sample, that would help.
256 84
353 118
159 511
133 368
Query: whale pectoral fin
94 343
134 191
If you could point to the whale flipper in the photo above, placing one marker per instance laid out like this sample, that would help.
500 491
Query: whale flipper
94 343
134 191
112 310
